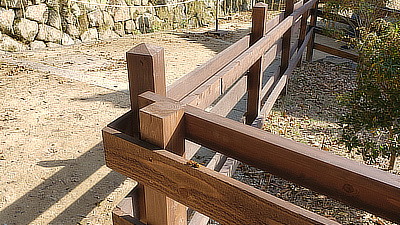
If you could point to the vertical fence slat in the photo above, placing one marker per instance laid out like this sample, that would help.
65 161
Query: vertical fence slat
285 58
313 23
254 77
303 30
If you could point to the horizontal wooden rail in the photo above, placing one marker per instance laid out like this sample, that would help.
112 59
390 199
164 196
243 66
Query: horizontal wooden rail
336 52
202 73
345 180
224 199
222 80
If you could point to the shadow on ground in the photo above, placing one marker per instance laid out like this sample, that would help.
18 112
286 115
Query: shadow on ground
53 189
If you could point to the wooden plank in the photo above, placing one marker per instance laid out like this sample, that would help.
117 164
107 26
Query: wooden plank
148 75
222 198
223 79
254 76
313 23
194 79
161 124
336 52
345 180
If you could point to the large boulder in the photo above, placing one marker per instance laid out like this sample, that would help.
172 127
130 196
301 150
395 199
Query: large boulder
95 18
6 20
11 45
37 13
90 35
54 19
26 29
48 33
14 4
35 45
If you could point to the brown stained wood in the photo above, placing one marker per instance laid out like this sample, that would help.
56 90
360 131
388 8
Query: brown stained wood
313 23
194 79
303 31
285 58
342 179
146 72
254 76
223 199
228 75
336 52
161 124
120 217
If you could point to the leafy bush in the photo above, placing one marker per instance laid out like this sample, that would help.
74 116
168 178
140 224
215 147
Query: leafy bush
372 125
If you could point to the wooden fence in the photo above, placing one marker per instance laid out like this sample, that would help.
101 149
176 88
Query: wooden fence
154 142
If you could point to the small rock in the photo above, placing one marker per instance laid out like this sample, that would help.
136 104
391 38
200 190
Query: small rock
119 28
35 45
108 20
108 34
130 26
54 19
67 40
37 13
7 20
95 18
11 45
90 35
72 30
49 34
76 10
26 29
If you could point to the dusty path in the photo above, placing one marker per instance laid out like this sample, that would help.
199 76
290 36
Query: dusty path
52 168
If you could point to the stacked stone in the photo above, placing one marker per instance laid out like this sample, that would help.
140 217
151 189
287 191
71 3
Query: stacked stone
36 24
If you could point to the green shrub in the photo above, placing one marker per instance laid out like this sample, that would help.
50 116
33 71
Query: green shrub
372 125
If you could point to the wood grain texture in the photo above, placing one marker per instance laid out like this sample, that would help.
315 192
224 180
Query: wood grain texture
146 72
194 79
336 52
119 217
223 199
161 124
254 76
345 180
303 30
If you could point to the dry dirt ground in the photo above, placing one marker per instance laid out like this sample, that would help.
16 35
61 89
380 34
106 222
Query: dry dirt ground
54 105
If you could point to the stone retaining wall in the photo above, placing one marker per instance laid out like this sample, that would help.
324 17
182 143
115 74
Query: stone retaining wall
35 24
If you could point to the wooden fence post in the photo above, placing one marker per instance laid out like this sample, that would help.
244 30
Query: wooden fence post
161 124
254 76
285 57
313 23
146 72
303 30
